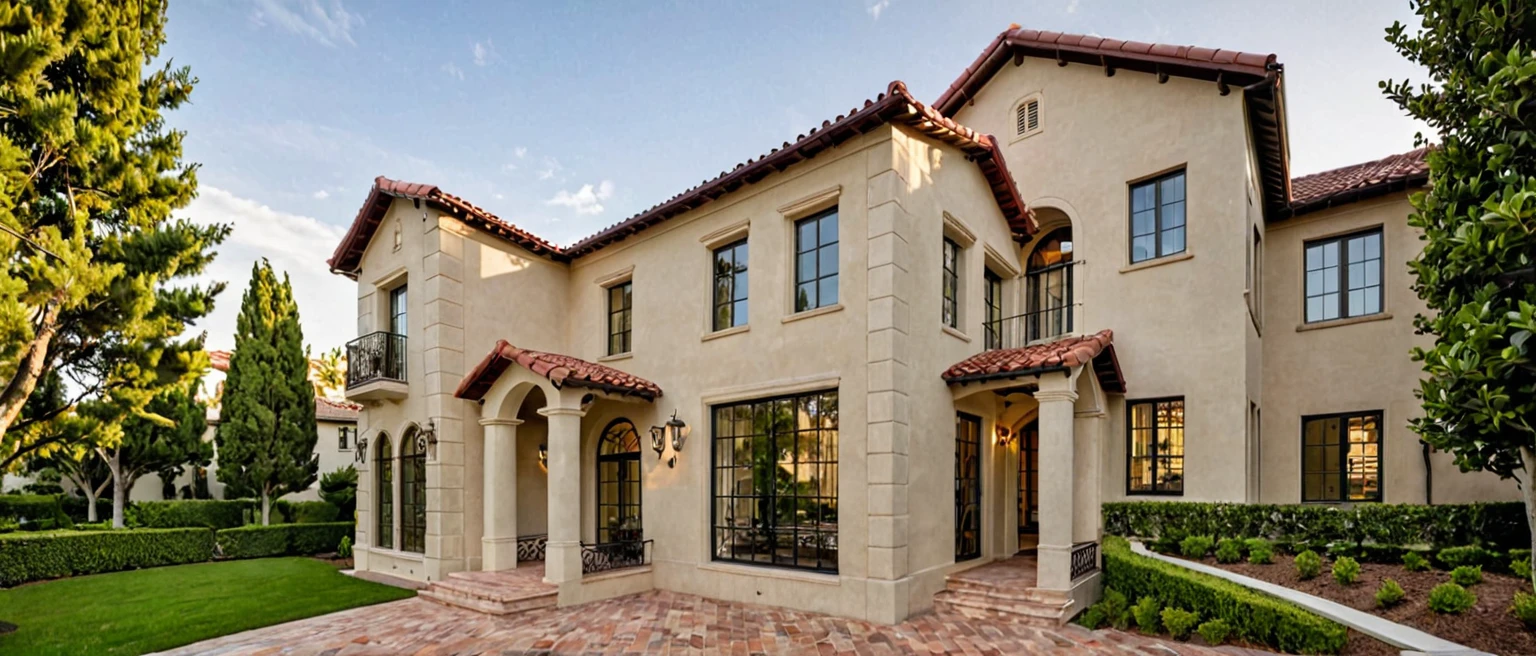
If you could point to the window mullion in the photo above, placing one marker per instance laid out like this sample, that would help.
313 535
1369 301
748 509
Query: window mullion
1157 224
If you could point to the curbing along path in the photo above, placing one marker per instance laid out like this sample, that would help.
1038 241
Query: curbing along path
1410 640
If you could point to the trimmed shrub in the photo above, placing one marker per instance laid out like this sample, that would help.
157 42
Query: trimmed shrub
1309 564
1179 622
207 513
1260 552
313 512
1229 550
1524 609
1346 570
1450 598
344 550
1389 593
35 512
77 509
1214 631
37 556
1414 562
1116 608
1196 546
1467 575
1092 618
1454 557
1251 616
257 541
1521 568
1147 613
1350 550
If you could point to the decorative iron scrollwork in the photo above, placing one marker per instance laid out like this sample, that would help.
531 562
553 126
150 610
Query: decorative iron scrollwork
614 555
360 451
531 547
1085 559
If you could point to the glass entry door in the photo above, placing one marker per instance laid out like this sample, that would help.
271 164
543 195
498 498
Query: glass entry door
618 484
1029 485
967 487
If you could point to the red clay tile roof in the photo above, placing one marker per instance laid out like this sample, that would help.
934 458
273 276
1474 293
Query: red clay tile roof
1310 193
332 410
219 360
897 105
1096 349
560 369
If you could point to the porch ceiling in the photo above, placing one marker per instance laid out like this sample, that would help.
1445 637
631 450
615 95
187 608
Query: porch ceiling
1096 350
560 369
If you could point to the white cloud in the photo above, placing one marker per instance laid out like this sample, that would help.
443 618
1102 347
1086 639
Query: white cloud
551 168
508 167
295 245
877 7
586 200
521 152
321 195
484 51
1072 6
498 196
326 22
453 70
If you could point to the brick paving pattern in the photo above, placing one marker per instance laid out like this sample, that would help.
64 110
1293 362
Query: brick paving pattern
662 623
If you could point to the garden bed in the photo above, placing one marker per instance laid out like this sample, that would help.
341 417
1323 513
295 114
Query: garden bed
1487 626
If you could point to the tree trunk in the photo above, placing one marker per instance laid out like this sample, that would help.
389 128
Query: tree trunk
1528 490
14 395
90 498
266 508
119 490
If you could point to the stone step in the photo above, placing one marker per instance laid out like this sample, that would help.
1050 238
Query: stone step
475 592
449 597
992 608
1007 592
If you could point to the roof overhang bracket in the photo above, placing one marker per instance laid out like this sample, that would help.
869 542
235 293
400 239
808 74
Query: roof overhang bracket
1060 61
1221 84
1109 70
1018 58
1162 75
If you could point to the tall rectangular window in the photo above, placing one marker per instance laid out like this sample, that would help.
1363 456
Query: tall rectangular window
992 329
730 286
1156 451
413 496
816 261
346 436
1341 457
1344 276
1157 217
967 487
398 310
951 283
775 481
620 304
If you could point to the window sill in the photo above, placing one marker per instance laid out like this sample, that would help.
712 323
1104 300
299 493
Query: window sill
771 572
735 330
617 356
957 334
1319 325
813 313
1157 262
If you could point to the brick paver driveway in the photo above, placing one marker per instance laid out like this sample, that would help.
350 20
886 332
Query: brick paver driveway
661 623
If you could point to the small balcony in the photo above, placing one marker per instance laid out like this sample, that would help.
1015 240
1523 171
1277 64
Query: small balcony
1052 311
376 367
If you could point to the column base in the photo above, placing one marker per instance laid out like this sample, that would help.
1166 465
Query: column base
498 554
888 602
1055 567
562 562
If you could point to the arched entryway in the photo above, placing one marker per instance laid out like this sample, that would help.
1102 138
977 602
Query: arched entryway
1049 286
618 483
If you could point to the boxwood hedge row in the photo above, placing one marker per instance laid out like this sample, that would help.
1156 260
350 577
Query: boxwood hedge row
48 555
282 539
1498 526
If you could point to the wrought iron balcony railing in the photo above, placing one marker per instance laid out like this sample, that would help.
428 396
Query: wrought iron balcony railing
614 555
1049 295
375 356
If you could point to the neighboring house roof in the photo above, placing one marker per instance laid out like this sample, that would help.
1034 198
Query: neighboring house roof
897 105
1096 349
1357 182
560 369
220 360
333 410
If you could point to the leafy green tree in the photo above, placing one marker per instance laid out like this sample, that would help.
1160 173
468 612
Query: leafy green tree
339 488
168 437
331 371
74 456
94 273
1479 223
266 433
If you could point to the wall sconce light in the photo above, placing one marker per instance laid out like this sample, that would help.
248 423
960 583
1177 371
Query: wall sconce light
658 440
544 455
426 439
1004 436
675 431
679 431
360 451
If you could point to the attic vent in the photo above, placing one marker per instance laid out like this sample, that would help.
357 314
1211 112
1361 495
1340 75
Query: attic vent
1028 119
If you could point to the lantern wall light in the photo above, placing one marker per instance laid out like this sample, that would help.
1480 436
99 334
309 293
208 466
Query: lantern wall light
1004 436
544 455
674 431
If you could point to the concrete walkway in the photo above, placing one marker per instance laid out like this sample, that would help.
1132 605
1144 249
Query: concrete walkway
1392 633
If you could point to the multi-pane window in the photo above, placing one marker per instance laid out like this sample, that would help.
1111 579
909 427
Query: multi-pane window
1344 276
967 487
1157 446
618 483
816 261
413 497
775 481
384 488
951 283
992 327
730 286
397 311
346 436
620 300
1341 457
1157 217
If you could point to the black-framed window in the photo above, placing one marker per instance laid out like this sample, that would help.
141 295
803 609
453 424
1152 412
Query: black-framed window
1156 453
346 436
816 261
730 286
618 483
951 309
1344 276
1157 217
384 489
1341 457
1029 478
620 309
992 326
413 496
967 486
398 311
775 481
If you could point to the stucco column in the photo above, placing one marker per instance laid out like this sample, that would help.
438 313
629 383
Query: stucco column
1057 471
1087 520
499 543
562 555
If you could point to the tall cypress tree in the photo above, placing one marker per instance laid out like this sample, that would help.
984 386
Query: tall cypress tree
266 437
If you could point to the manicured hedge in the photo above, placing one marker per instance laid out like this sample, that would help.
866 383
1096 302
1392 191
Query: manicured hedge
36 556
34 511
1252 616
304 512
206 513
282 539
1499 526
77 508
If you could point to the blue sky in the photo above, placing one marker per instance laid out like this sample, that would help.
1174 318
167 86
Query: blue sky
567 117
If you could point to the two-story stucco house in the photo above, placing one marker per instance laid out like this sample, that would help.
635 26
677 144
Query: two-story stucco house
915 341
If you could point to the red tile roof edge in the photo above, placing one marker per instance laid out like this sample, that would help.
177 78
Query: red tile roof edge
1356 182
333 410
561 370
1096 350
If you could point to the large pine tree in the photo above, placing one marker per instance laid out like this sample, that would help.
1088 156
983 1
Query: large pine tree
266 437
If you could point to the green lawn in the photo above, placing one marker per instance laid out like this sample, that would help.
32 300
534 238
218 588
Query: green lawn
154 609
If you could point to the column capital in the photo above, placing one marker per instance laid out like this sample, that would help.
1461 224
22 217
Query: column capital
557 412
1053 396
499 421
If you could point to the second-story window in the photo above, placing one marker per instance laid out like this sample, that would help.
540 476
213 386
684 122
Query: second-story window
397 310
619 310
816 261
346 436
1157 217
1344 276
992 327
951 283
730 286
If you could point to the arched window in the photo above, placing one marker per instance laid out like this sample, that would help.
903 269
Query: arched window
618 483
384 490
1049 285
413 495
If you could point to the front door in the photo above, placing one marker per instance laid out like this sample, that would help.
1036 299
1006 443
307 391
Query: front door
967 487
1029 486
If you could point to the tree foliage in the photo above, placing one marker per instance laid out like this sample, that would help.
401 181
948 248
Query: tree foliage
1479 225
167 439
339 488
95 273
266 436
